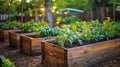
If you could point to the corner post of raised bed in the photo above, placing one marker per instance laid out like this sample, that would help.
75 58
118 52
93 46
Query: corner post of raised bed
42 52
65 58
9 39
22 39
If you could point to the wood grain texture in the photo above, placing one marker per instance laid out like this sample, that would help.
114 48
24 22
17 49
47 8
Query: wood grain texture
4 35
32 46
15 39
80 56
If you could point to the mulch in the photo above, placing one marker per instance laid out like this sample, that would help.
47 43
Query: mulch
21 60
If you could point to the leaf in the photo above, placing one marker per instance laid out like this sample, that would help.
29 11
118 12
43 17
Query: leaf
80 41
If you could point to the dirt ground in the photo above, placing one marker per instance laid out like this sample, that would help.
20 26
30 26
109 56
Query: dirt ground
21 60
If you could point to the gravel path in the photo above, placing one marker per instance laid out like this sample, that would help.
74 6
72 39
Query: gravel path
21 60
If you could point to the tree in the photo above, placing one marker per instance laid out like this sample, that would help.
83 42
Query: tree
90 7
48 12
100 9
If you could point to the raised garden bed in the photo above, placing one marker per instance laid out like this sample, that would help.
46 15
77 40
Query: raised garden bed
31 45
14 38
4 34
81 56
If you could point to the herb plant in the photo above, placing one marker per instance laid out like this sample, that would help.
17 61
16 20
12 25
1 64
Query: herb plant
28 27
9 25
47 32
69 20
7 63
67 37
87 32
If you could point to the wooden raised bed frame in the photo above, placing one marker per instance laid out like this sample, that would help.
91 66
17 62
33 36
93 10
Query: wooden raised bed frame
4 35
15 38
32 46
81 56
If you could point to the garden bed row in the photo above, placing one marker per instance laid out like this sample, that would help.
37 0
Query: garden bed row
65 57
79 45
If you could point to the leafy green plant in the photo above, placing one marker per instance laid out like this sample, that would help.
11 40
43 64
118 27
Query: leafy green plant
39 25
5 25
90 31
28 27
67 37
14 25
69 20
47 32
109 30
9 25
7 63
33 26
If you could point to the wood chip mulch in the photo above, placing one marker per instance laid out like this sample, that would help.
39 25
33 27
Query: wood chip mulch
21 60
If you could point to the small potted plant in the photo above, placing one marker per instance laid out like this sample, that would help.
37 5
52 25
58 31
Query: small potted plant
95 42
31 45
7 27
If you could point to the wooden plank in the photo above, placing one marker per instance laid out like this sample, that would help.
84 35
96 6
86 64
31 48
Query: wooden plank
80 56
26 45
1 35
86 49
4 34
34 45
94 57
15 38
53 56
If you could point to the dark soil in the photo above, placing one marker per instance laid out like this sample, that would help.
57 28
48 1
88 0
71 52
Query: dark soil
21 60
75 44
20 32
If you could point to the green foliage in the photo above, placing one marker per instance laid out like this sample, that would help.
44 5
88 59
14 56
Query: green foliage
33 26
14 25
89 31
7 63
67 37
69 20
109 30
28 27
9 25
4 25
47 32
78 4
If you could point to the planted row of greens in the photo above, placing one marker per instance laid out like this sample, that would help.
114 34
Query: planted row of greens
33 26
48 32
9 25
26 27
86 32
67 20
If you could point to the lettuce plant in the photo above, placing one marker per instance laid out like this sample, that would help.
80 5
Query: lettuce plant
7 63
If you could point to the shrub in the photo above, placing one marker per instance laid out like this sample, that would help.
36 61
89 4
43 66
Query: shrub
7 63
69 20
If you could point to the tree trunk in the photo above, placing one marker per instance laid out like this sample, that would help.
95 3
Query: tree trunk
48 13
36 14
90 5
100 9
9 12
101 13
21 11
